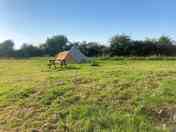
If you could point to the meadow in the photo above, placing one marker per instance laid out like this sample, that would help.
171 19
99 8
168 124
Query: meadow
116 95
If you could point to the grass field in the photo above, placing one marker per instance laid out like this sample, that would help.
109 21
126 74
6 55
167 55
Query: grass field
121 95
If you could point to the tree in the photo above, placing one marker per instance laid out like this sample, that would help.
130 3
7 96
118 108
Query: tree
83 48
164 40
120 44
150 40
71 44
7 48
56 44
92 49
28 50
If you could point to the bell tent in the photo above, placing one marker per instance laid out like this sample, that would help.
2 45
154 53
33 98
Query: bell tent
74 55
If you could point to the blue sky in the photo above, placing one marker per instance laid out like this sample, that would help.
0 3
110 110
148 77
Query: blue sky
32 21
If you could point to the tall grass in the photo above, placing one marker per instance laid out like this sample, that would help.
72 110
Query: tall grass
121 95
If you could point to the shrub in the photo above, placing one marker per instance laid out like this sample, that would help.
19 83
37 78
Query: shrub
94 63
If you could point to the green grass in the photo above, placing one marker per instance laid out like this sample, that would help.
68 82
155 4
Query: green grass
117 95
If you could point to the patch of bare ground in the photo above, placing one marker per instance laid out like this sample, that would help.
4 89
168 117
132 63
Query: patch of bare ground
81 80
165 114
17 117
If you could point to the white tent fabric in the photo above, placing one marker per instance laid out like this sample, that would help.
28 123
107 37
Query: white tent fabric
77 55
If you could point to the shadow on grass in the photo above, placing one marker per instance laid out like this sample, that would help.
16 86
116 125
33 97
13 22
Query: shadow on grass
59 68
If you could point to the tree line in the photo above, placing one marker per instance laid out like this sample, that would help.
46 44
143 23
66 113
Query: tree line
119 45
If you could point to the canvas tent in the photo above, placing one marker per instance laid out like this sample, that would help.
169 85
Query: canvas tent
73 55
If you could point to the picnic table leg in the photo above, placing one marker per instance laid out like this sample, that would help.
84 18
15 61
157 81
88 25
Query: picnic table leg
54 64
49 66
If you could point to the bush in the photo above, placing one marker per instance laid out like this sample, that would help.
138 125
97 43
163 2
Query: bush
94 63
